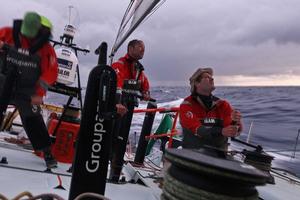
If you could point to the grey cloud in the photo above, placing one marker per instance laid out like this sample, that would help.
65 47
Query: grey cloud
249 37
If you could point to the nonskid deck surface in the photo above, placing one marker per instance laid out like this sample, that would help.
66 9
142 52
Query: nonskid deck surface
27 172
13 182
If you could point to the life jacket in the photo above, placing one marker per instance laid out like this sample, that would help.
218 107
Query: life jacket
126 70
26 62
130 78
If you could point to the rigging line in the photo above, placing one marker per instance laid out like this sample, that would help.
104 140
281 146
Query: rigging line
16 147
282 150
123 26
143 167
287 177
34 170
133 27
131 14
156 166
154 10
284 170
249 132
127 11
120 27
153 176
125 16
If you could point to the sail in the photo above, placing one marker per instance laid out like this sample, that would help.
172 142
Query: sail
135 14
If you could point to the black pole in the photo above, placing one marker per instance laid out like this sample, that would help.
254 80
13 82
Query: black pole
146 130
102 52
258 147
79 88
93 146
120 143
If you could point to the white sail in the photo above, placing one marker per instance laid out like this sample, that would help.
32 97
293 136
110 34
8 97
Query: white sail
136 13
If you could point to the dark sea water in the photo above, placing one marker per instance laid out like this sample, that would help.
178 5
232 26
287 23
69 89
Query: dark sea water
273 111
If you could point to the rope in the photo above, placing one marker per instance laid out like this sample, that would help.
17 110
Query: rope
35 170
156 167
43 196
259 165
148 168
26 193
93 195
53 196
31 197
174 189
209 170
285 177
2 197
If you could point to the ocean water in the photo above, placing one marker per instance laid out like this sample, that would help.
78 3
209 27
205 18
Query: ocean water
274 113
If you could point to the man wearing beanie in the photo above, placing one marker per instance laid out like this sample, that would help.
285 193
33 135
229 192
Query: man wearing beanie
37 68
206 119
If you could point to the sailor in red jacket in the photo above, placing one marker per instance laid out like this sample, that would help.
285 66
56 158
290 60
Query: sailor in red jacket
129 68
31 35
206 119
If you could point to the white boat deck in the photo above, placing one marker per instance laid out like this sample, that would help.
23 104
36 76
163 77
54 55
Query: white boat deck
283 190
24 172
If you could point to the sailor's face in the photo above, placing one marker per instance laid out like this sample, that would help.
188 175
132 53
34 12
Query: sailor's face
205 84
137 51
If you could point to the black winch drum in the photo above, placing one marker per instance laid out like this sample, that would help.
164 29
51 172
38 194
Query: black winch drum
194 175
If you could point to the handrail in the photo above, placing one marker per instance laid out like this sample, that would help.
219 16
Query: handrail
152 136
163 110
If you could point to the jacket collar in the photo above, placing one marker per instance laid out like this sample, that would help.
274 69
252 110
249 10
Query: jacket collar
215 101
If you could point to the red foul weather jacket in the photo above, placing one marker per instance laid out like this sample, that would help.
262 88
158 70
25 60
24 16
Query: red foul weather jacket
194 114
48 64
203 126
125 70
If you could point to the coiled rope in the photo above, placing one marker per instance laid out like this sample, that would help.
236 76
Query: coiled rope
53 196
176 190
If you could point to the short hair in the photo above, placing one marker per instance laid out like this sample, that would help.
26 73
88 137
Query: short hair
132 43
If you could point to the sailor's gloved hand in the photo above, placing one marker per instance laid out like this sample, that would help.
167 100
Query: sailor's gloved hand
146 95
231 131
1 45
121 110
236 116
36 100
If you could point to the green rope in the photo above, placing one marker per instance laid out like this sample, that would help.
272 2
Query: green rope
176 190
259 165
210 170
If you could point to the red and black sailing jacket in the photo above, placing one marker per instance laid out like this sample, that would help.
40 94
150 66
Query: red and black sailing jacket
47 59
194 114
126 70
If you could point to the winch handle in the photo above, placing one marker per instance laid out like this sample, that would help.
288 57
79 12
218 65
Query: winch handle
256 147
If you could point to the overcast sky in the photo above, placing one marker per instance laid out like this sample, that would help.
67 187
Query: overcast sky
246 42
